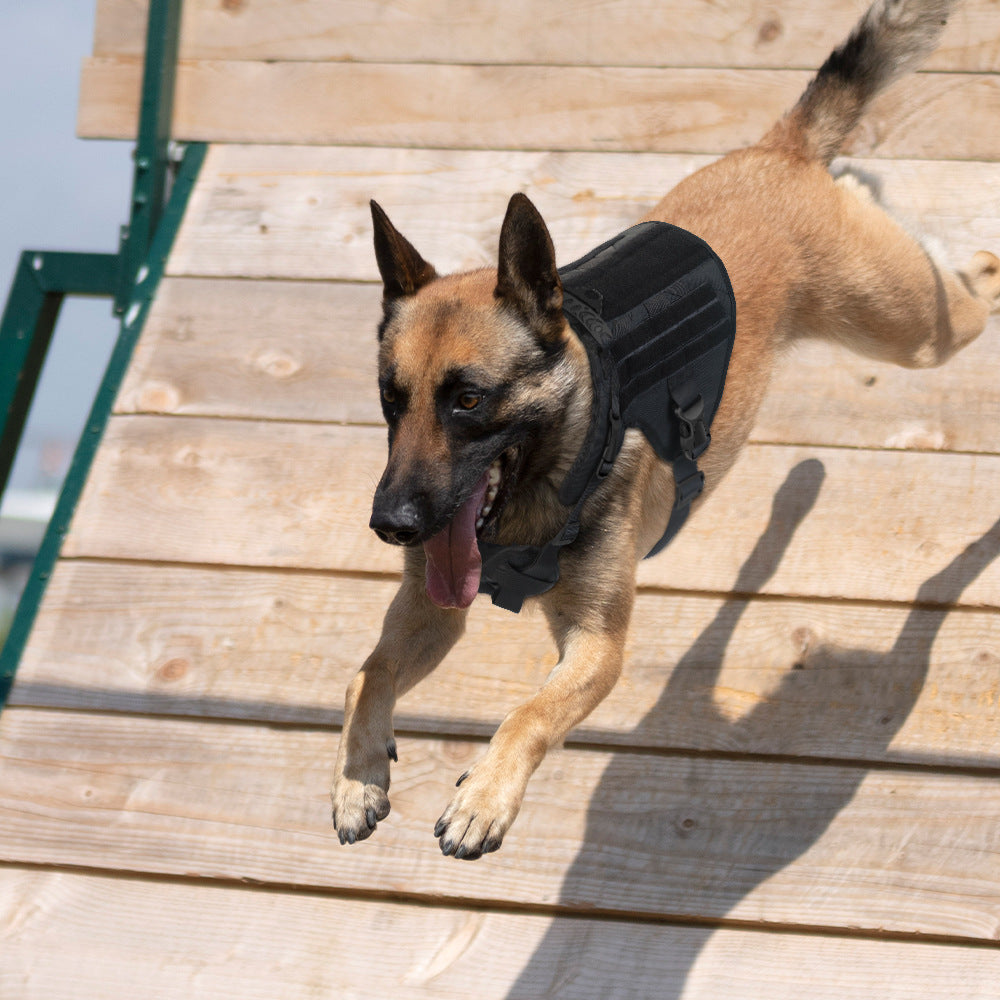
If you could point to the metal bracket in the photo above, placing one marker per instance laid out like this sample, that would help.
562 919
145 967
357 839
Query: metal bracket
41 282
161 184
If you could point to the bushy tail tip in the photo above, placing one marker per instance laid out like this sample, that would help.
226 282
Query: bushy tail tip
892 38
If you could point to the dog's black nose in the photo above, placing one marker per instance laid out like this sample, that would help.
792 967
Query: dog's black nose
397 527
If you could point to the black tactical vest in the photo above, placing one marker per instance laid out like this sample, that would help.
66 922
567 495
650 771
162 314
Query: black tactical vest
655 310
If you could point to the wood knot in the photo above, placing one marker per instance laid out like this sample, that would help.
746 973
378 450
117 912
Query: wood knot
802 639
173 670
769 31
188 457
158 397
233 6
686 826
456 752
277 364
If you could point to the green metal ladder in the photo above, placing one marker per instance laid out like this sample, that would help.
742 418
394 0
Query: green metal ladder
43 279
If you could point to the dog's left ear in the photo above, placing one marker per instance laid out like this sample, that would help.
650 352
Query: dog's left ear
527 278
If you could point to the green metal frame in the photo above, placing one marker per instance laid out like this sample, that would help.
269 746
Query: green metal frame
41 282
130 278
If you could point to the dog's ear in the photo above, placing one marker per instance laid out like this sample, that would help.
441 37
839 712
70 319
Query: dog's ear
404 271
527 278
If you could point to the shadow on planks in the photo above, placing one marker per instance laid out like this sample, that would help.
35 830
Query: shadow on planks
616 816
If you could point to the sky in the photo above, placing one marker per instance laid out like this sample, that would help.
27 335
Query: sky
57 192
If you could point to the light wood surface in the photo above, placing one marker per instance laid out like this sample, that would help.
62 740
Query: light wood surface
796 778
79 936
725 33
801 845
298 495
526 107
302 212
777 677
269 350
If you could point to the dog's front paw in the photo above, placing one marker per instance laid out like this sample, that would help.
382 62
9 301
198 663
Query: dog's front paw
479 815
359 803
357 808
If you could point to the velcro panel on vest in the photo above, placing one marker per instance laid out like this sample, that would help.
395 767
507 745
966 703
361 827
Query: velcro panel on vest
654 308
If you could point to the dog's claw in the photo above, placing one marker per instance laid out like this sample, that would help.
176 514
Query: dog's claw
461 779
390 749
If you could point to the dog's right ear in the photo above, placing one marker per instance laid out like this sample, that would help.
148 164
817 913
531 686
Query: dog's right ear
404 272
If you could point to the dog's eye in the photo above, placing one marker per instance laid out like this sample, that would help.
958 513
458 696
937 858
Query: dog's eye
388 395
469 400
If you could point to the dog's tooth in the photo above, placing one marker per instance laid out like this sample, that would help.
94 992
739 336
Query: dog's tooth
479 523
494 479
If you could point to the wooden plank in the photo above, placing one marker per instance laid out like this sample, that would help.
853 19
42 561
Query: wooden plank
795 845
527 107
824 395
306 351
616 33
774 677
62 932
258 349
885 526
302 212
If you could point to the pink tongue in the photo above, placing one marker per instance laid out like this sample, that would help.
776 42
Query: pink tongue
453 560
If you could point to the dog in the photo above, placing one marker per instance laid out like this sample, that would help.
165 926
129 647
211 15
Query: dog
488 397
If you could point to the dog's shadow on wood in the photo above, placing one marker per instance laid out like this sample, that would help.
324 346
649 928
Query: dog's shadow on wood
714 835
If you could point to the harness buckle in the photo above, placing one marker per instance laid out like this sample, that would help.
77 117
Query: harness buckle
695 437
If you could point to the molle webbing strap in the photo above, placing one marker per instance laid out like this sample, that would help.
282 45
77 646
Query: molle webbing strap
655 310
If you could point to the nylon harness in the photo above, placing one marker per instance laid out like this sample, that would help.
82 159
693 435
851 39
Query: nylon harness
655 310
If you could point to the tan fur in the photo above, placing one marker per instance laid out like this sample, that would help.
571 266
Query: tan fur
807 257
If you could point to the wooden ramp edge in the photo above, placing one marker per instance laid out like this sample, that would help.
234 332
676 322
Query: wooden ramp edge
795 787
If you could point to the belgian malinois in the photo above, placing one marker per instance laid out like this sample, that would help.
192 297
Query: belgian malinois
487 394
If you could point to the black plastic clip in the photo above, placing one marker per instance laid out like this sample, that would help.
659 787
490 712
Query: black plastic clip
694 434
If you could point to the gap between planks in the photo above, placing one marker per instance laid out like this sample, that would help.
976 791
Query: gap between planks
452 728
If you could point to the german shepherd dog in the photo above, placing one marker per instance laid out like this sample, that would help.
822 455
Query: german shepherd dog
487 393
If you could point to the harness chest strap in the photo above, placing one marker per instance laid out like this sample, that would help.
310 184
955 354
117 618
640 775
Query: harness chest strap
655 311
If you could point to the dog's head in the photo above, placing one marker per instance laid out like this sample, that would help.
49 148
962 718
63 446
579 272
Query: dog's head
473 376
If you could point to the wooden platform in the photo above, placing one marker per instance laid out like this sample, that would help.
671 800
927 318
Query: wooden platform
794 790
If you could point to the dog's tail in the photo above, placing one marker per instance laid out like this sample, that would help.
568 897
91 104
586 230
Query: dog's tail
893 37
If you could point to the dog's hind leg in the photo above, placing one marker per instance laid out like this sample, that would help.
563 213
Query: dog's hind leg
878 291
